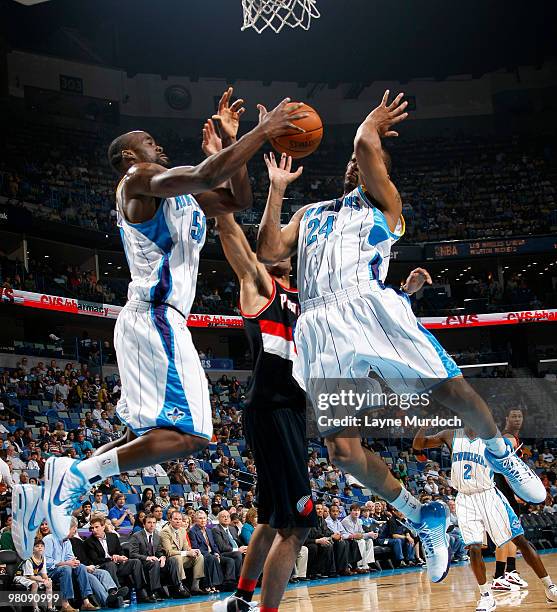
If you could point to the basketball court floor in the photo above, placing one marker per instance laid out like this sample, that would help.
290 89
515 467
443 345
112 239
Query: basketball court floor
399 591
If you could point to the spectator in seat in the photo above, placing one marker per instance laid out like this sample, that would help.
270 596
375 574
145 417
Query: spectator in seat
6 539
120 514
33 575
398 536
176 544
228 542
105 551
63 567
195 474
431 487
346 550
124 485
174 505
249 526
98 505
355 529
321 561
104 588
163 499
157 512
456 543
82 445
146 545
84 514
148 495
202 538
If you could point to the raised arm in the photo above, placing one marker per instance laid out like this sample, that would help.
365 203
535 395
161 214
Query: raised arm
273 242
155 181
220 132
369 155
422 441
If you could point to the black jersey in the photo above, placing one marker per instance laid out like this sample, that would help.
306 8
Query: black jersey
270 334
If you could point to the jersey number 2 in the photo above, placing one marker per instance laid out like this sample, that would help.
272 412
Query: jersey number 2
326 228
198 226
467 470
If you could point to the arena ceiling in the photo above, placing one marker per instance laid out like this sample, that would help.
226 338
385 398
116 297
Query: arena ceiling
356 41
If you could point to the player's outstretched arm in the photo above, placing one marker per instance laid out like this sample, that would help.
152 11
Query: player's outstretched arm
273 242
422 441
369 154
219 132
240 255
155 181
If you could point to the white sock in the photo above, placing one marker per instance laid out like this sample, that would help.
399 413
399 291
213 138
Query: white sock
485 589
496 445
101 467
547 582
408 505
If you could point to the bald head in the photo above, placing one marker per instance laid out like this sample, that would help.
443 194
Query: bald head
132 148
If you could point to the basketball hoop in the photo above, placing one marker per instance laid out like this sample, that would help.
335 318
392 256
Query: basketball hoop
275 14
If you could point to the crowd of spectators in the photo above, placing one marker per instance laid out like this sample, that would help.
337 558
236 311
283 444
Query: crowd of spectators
203 509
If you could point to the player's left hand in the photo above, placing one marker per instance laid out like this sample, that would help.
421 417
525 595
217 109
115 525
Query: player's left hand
416 280
281 174
227 118
386 115
211 140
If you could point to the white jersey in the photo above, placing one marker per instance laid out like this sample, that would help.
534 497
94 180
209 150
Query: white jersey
163 252
469 471
343 243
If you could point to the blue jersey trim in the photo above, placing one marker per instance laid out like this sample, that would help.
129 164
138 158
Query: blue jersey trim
448 362
381 216
175 411
156 229
514 522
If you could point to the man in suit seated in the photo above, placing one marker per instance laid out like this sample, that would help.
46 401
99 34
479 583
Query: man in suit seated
104 550
228 543
202 538
146 546
177 548
321 561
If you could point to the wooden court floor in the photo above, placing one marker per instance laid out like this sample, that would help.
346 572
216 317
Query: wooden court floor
403 592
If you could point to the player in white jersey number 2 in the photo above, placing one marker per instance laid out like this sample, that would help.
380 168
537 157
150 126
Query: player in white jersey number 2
351 323
481 508
165 399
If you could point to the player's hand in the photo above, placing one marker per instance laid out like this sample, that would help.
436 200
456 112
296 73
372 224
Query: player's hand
281 174
416 280
227 118
278 122
386 115
211 140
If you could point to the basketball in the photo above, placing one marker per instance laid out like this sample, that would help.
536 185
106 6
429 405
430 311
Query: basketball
297 144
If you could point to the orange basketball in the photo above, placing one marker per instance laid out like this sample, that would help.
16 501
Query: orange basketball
298 144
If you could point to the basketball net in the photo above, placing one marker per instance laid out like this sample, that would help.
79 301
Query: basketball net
275 14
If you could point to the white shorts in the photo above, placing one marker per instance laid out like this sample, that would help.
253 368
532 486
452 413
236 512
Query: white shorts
163 383
486 512
368 327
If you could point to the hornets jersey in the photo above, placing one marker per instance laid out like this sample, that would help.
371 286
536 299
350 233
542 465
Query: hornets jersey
469 470
163 252
343 243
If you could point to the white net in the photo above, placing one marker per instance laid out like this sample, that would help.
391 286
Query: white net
275 14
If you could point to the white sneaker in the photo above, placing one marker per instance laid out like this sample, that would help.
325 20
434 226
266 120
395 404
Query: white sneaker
28 514
435 541
235 604
501 585
551 593
486 603
524 482
515 578
64 485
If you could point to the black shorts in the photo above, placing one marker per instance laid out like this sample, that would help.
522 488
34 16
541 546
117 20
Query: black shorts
277 437
505 488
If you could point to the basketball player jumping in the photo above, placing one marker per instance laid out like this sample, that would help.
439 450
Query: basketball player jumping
274 416
165 399
481 508
351 324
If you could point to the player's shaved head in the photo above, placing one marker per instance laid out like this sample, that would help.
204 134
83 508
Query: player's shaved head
134 147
